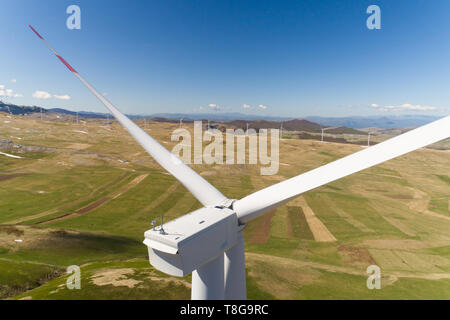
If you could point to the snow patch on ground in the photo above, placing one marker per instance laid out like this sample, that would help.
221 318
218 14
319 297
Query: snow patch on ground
80 131
11 155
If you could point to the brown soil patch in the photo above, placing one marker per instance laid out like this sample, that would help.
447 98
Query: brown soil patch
11 176
115 277
83 210
171 279
262 231
93 205
356 255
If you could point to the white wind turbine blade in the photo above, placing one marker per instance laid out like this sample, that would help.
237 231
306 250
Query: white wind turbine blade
206 193
271 197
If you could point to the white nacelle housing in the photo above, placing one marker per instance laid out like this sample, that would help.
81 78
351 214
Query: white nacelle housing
192 240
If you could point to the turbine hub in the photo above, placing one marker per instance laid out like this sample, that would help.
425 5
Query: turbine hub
192 240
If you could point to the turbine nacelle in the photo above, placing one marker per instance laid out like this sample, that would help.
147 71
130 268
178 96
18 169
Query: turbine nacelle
191 241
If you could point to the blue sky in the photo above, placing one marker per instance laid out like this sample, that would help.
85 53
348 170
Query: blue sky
296 58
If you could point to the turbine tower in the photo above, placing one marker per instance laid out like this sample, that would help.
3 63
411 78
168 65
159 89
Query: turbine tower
281 131
209 242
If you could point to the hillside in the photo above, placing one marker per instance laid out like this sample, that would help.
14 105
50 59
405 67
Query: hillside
85 193
289 125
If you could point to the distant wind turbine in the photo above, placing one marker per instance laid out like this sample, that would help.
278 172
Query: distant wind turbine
281 130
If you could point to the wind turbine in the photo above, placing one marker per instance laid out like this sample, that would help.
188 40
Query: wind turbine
209 242
324 129
368 139
281 131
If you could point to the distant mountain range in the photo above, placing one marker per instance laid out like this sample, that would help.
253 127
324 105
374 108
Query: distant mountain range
383 122
315 122
22 110
217 116
290 125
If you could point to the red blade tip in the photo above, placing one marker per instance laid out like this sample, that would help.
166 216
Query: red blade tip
35 31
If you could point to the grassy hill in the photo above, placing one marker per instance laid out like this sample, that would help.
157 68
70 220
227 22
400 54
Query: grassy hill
289 125
89 202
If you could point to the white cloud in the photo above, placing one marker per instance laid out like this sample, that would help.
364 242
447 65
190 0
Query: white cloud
245 106
8 93
13 80
64 97
214 106
403 107
41 95
261 106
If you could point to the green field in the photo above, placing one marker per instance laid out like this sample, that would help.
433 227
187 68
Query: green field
89 203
